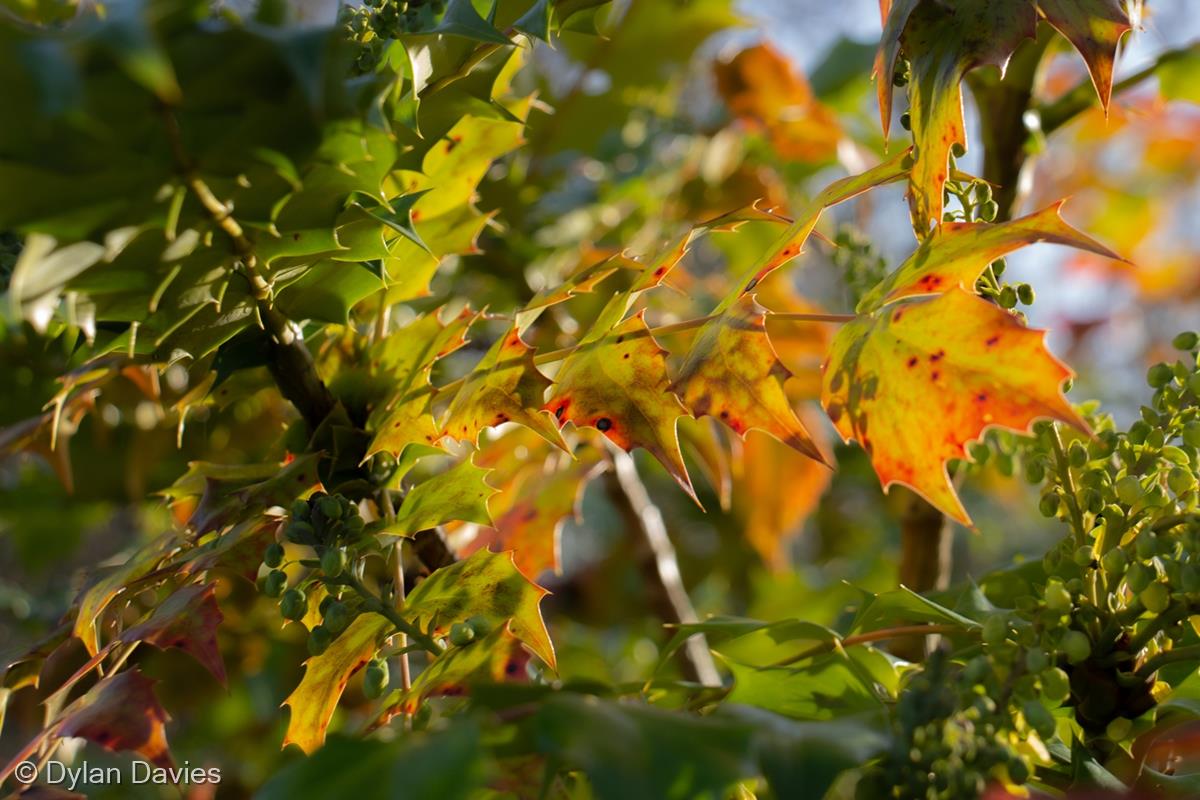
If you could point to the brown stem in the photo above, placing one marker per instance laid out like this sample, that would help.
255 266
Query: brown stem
883 634
291 365
635 503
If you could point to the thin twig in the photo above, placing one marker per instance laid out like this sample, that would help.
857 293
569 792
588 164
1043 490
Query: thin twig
880 635
650 519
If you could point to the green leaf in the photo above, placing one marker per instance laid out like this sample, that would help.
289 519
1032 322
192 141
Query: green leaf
486 585
829 685
448 765
459 494
903 606
461 19
493 659
631 752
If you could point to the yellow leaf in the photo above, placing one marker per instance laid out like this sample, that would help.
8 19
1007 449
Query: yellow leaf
917 381
325 676
1095 28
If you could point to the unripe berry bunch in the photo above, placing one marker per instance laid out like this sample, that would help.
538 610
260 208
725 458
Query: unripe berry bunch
376 23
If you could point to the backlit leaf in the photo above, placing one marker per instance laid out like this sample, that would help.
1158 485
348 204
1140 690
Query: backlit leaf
458 494
488 585
943 44
496 658
121 712
404 361
1095 28
505 386
733 374
618 384
188 619
957 253
106 587
325 676
917 381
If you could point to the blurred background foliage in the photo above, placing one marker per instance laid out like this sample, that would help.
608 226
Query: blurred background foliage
683 110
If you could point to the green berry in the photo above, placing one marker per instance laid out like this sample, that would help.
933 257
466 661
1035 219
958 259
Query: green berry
1076 646
906 121
1155 597
1114 561
293 604
1146 545
1138 577
338 617
275 583
1077 454
1191 433
375 678
1057 597
1083 555
300 510
1186 341
330 508
958 150
1159 376
1118 729
480 625
988 212
461 634
1037 660
1025 294
1049 505
333 562
995 629
273 557
300 532
319 639
1056 686
1035 471
1039 718
1129 490
1181 481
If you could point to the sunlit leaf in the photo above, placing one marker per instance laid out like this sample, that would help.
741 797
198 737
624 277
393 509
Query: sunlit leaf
119 713
496 658
917 381
956 253
1095 28
487 585
188 619
325 676
458 494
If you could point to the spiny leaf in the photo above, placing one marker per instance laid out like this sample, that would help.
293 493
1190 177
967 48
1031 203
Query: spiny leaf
121 712
325 676
1095 28
956 253
895 17
224 501
188 619
404 360
458 494
106 587
487 585
916 381
531 526
943 44
733 374
618 384
505 386
581 282
461 19
496 658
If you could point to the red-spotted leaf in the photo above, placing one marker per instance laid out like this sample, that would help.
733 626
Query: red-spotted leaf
505 386
943 43
188 619
1095 28
618 384
956 253
119 713
325 677
733 374
486 585
916 381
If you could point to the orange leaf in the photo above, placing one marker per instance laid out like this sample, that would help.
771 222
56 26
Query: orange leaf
188 619
917 381
943 44
733 374
956 254
618 385
1095 28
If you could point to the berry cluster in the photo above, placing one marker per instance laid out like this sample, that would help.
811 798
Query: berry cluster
376 23
951 739
330 527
